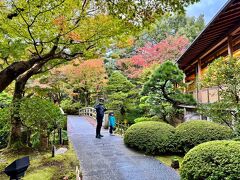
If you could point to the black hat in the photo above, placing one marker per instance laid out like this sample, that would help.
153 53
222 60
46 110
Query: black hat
101 99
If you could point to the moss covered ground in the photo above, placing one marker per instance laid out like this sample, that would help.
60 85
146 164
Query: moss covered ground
42 165
167 159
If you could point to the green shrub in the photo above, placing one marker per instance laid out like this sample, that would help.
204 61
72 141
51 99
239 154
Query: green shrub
70 108
132 113
212 160
41 113
4 126
5 99
41 117
142 119
192 133
151 137
38 115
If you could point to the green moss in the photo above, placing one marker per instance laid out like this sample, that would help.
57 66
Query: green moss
167 159
42 174
43 166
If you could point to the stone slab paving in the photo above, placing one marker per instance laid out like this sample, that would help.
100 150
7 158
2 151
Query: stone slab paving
109 159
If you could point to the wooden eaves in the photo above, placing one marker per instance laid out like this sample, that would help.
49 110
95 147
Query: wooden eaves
221 35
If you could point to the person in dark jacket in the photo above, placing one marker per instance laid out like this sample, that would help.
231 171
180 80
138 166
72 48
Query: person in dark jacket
100 109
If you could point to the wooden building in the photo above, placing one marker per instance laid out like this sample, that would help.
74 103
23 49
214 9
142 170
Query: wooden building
221 37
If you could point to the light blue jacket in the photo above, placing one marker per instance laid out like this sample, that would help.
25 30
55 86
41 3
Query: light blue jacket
112 121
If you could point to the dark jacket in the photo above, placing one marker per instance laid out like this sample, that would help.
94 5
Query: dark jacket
100 109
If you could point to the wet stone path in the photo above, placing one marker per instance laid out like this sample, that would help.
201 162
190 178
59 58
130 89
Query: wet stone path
109 159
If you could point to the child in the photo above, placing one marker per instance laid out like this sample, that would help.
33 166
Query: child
112 122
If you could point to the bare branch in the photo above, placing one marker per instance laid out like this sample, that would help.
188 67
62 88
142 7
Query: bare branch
47 69
47 10
28 28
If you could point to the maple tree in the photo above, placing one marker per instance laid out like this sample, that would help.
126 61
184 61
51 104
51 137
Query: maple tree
49 33
52 85
85 77
167 49
38 35
43 30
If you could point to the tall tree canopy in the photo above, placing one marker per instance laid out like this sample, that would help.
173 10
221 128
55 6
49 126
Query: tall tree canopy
88 78
163 94
35 32
119 90
224 73
167 49
36 36
169 24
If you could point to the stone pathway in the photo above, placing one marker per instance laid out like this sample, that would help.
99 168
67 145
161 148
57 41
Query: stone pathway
109 159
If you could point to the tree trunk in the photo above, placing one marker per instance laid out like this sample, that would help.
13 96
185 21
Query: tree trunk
12 72
15 140
43 141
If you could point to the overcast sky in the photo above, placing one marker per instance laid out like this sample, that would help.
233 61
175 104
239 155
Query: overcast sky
207 7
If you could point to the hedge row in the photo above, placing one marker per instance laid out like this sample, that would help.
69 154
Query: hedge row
209 160
192 133
157 137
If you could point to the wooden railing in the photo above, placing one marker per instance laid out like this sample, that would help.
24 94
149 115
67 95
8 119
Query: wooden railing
87 111
78 174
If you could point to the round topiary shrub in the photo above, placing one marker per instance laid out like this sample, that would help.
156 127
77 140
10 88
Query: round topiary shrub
192 133
212 160
151 137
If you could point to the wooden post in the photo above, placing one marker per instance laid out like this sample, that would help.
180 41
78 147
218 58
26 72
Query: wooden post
60 135
230 46
54 136
208 95
218 94
77 173
184 89
198 78
53 151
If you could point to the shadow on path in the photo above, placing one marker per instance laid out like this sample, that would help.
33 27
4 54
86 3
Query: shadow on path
109 159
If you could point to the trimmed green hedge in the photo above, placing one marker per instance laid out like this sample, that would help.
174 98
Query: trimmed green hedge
192 133
143 119
212 160
151 137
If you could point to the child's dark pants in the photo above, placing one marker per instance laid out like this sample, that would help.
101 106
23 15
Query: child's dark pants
110 129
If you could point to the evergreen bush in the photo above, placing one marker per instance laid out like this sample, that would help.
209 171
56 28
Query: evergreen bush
192 133
142 119
151 137
41 117
71 108
212 160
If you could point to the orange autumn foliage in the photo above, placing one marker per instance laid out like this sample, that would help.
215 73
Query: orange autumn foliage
89 74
